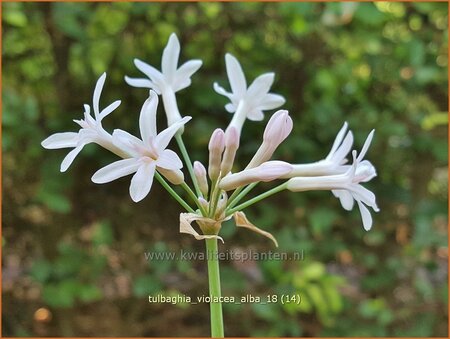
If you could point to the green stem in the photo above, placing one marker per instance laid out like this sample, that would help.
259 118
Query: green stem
173 193
214 288
241 195
188 162
194 197
257 198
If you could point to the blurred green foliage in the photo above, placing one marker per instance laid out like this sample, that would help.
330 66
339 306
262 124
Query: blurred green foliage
77 248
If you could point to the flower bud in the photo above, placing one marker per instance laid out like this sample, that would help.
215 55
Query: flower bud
221 205
204 203
231 146
277 129
267 171
175 177
216 146
200 175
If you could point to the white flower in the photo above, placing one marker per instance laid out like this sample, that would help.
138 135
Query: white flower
333 163
146 153
170 80
91 130
345 186
247 102
170 76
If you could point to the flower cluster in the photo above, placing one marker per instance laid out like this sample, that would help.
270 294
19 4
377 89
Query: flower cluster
218 185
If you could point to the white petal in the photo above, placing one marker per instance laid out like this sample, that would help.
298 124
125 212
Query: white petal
366 216
97 93
142 181
366 145
116 170
343 149
271 101
147 118
139 82
70 158
230 108
149 71
169 160
184 73
338 140
219 89
346 199
128 142
260 86
235 75
255 115
162 139
109 109
170 57
61 140
363 194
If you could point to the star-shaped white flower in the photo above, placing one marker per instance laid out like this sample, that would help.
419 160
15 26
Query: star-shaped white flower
256 98
170 75
345 186
147 153
91 130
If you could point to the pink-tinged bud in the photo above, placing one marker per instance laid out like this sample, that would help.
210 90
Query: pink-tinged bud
221 205
231 146
200 175
216 146
203 203
277 130
175 177
268 171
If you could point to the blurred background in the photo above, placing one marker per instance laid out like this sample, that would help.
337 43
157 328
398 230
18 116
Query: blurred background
73 252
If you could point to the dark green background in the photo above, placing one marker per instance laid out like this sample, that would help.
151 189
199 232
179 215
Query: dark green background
77 248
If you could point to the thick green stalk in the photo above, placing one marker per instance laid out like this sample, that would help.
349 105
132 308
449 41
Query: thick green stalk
188 162
173 193
214 288
257 198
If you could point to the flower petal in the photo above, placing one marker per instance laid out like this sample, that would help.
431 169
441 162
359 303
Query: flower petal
219 89
110 108
115 170
162 139
149 71
230 108
139 82
255 115
61 140
366 145
97 92
235 76
128 142
271 101
142 181
147 118
184 73
338 140
260 86
170 57
342 151
70 158
366 216
169 160
346 199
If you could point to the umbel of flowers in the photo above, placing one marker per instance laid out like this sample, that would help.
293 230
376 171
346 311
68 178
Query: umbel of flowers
218 186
